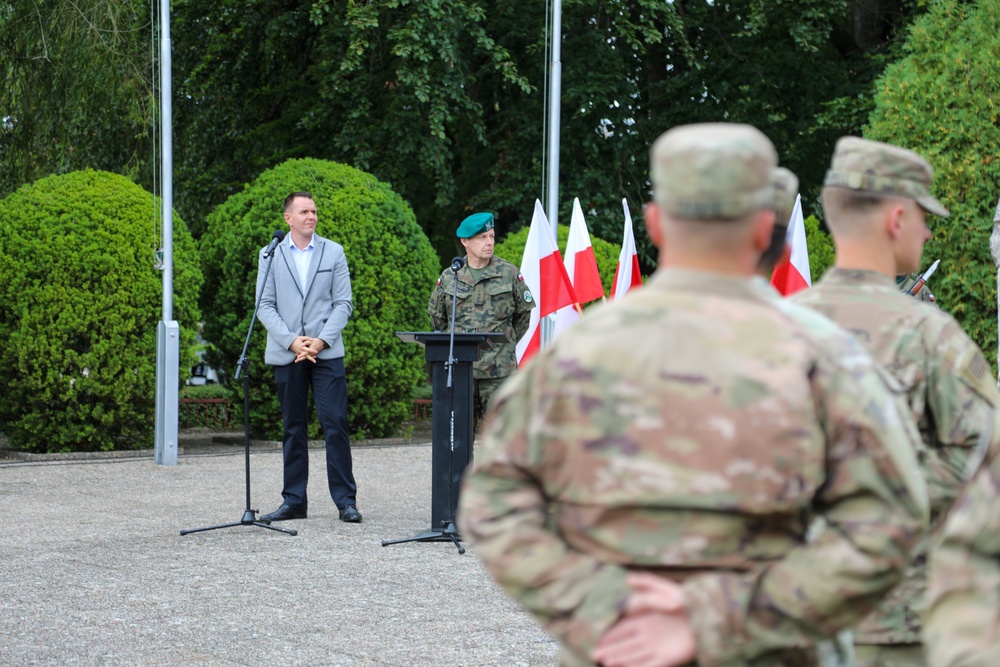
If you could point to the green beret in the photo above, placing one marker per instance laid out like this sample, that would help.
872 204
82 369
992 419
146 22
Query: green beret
477 223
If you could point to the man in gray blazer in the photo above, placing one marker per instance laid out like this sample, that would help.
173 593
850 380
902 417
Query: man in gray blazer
304 305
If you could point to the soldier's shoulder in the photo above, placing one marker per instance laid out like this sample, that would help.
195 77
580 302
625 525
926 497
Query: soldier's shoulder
504 266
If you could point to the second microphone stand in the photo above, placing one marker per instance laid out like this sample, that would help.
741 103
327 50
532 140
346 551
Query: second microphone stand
242 368
447 532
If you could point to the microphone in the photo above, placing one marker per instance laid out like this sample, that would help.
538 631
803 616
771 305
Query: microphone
276 238
457 264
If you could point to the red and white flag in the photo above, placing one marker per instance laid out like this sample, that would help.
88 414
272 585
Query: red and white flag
793 275
581 267
545 275
627 276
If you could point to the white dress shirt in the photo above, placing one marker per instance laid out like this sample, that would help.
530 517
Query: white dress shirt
302 258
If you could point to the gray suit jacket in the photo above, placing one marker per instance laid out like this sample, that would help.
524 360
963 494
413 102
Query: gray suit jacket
320 308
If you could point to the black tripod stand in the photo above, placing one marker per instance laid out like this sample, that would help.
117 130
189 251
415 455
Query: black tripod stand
242 368
447 531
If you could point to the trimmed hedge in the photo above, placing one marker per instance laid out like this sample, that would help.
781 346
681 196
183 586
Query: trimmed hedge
79 306
941 101
393 271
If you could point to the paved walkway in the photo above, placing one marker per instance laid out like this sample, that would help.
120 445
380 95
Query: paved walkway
96 573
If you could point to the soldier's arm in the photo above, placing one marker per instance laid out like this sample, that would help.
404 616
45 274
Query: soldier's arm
524 302
503 512
437 308
961 625
962 399
871 511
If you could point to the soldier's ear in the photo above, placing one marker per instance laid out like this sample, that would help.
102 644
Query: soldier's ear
763 224
894 220
654 225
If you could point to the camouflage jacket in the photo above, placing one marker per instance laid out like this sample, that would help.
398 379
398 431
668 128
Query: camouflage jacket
950 390
696 430
962 622
499 301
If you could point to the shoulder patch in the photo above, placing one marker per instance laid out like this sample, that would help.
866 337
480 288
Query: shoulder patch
527 296
520 277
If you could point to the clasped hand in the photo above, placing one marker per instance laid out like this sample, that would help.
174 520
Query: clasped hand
305 347
653 632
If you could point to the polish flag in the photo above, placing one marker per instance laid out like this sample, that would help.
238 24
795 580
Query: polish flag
545 275
627 276
581 267
793 275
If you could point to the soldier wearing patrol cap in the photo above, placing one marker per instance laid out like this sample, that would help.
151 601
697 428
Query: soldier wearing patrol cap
689 476
492 296
786 189
876 198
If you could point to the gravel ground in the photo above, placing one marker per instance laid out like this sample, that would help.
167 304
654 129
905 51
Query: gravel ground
96 573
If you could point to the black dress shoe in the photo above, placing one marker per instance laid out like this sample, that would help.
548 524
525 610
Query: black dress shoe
350 514
284 513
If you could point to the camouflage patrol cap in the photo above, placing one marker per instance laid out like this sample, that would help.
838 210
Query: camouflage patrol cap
477 223
712 171
871 166
786 190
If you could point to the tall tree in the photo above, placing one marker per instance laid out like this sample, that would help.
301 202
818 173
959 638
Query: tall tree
941 101
75 88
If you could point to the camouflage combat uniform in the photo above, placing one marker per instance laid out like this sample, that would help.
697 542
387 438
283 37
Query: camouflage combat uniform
962 623
498 301
946 379
950 391
696 430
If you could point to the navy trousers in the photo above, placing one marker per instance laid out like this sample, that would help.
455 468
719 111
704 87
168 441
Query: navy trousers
329 386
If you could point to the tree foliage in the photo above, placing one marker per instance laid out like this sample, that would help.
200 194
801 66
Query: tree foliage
79 306
75 88
393 270
941 100
444 99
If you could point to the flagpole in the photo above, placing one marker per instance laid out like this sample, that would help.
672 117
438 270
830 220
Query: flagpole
167 331
555 92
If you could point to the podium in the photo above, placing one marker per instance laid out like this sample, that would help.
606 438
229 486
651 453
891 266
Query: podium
451 423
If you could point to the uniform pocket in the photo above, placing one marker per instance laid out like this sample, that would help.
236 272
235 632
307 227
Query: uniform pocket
501 299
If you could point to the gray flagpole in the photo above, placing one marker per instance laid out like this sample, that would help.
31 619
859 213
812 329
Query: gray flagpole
552 190
167 331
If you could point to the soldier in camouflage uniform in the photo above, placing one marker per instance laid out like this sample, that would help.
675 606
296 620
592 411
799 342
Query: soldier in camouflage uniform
492 296
695 434
876 198
962 622
786 189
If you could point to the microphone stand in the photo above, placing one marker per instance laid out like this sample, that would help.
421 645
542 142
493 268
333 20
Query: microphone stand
448 528
448 531
243 368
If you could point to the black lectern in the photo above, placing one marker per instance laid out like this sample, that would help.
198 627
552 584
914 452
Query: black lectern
451 423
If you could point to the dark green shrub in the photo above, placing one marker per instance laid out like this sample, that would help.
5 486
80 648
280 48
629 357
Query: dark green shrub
821 252
941 101
393 271
79 306
606 254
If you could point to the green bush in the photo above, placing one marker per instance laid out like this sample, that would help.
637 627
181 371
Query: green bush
206 391
821 252
79 306
606 254
941 101
393 271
